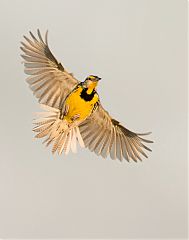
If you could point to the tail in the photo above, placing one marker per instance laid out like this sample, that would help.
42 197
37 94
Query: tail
57 131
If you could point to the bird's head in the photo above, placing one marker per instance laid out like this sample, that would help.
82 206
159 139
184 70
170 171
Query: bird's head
91 81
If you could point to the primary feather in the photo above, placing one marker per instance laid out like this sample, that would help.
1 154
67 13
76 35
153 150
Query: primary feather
49 80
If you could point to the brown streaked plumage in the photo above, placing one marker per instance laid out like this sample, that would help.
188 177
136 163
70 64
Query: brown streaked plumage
49 81
73 112
105 135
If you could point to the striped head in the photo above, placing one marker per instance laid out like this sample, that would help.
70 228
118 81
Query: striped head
91 81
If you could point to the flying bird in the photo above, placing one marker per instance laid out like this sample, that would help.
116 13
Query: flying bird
72 111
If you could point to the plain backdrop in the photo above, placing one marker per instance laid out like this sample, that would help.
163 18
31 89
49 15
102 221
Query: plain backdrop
139 48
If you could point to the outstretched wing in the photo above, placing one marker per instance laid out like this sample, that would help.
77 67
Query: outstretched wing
105 136
48 79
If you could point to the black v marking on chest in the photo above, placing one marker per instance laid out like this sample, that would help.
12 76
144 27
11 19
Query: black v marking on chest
87 97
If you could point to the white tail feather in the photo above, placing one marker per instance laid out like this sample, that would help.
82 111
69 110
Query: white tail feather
79 138
61 145
57 131
74 141
68 143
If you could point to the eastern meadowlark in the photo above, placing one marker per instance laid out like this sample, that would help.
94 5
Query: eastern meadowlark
72 109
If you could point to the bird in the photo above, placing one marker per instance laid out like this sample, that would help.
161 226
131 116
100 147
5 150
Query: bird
72 113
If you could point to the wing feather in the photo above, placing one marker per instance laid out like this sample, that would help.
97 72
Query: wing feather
106 136
52 82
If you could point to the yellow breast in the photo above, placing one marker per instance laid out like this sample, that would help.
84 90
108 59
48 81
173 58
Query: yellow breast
80 103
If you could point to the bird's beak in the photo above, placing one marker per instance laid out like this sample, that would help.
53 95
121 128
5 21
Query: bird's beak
98 79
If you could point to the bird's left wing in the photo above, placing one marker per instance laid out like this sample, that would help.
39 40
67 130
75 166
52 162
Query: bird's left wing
48 79
105 135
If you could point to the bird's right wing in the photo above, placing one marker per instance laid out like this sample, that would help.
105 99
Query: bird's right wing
48 79
105 135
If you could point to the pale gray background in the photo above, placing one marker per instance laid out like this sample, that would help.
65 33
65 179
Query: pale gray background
139 49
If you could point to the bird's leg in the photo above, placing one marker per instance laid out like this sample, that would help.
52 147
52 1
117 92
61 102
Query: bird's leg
75 117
